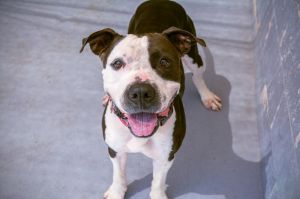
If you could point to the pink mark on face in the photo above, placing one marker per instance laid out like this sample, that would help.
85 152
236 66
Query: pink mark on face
143 76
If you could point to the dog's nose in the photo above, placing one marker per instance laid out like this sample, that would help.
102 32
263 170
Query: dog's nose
141 94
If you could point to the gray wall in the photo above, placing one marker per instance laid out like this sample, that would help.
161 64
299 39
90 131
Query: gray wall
277 56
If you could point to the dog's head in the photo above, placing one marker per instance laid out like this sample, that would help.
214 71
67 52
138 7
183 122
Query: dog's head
142 73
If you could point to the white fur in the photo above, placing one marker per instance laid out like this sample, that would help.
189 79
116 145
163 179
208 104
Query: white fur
160 171
197 74
120 139
134 52
119 186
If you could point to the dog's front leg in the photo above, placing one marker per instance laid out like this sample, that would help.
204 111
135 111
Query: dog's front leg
119 185
209 99
160 171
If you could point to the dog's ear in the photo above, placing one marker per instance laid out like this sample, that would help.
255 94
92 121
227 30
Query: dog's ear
100 41
182 39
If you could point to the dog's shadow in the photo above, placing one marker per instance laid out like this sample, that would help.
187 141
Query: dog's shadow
206 164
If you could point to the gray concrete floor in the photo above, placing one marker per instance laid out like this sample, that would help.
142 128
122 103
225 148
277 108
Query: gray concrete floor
50 103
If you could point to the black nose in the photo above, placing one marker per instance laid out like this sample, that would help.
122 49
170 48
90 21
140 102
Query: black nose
141 94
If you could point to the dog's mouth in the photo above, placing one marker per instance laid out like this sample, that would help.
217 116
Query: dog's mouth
143 124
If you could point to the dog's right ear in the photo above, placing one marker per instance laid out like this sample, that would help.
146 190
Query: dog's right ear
100 41
182 39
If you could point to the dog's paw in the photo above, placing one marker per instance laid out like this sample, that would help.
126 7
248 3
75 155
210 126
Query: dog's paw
115 193
211 101
105 99
158 194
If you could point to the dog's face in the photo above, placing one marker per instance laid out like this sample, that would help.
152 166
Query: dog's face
141 73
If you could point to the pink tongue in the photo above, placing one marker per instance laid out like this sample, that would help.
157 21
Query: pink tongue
142 124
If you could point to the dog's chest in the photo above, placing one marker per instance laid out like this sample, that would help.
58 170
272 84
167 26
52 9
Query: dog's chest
119 138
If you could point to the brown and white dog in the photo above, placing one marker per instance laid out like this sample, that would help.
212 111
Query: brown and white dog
144 80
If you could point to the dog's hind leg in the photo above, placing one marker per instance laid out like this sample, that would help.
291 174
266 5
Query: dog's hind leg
119 185
160 171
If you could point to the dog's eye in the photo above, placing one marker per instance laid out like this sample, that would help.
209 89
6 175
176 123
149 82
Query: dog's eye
117 64
164 62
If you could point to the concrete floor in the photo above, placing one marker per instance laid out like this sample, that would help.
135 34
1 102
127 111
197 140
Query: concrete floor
50 102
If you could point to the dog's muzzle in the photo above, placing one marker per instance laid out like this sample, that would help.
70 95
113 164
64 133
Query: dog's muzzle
142 124
142 109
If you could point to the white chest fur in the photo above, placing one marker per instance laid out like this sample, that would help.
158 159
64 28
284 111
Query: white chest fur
120 139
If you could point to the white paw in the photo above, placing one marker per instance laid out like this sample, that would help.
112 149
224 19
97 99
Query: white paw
158 194
115 193
105 99
211 101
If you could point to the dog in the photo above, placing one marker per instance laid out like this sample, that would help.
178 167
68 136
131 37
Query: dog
143 77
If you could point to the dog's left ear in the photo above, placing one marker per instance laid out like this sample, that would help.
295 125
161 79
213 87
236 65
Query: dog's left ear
100 41
182 39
